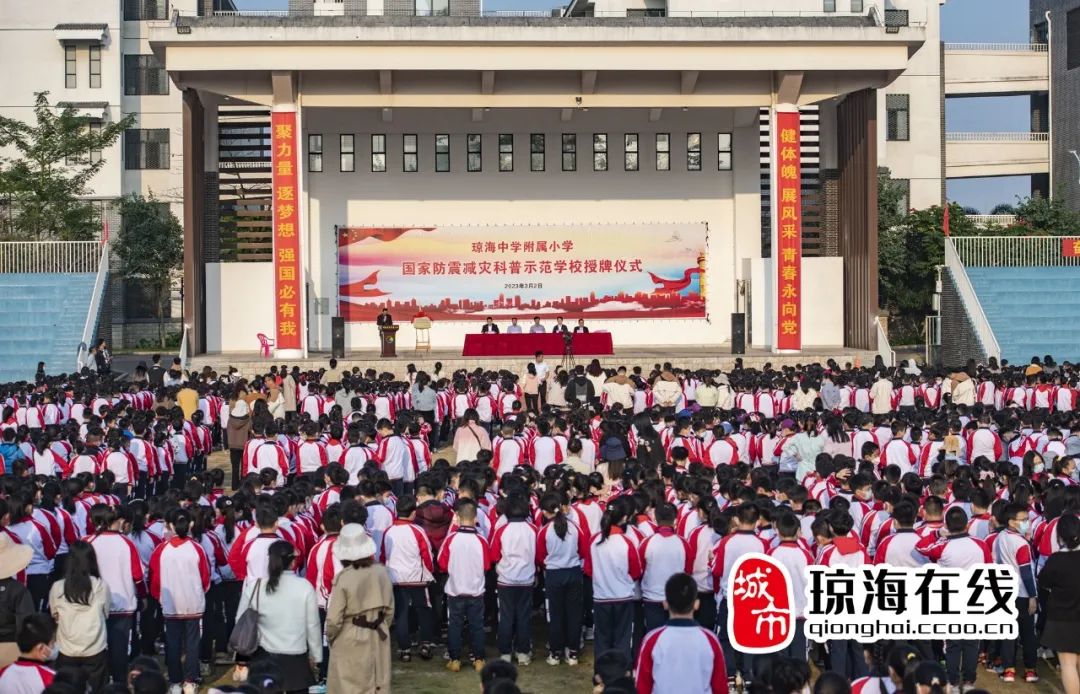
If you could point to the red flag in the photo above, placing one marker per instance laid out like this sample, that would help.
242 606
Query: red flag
945 220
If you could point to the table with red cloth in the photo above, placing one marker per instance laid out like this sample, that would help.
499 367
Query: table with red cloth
528 344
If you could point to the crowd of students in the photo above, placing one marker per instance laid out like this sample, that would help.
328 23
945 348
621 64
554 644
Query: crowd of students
611 507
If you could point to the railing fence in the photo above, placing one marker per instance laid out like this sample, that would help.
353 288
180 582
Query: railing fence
1017 251
49 256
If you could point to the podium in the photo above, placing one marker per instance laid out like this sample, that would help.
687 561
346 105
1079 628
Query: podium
388 340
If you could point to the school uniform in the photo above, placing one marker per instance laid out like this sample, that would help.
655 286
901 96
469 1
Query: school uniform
614 565
465 557
681 656
663 555
513 551
179 581
406 551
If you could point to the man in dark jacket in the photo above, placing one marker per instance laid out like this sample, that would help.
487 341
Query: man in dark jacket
156 374
580 387
434 517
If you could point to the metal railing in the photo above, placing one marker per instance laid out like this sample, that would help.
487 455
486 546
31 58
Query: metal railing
1005 47
1015 251
91 323
933 339
974 309
884 349
456 12
997 137
49 256
986 220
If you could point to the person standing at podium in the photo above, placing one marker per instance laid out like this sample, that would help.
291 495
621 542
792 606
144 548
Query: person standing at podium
385 320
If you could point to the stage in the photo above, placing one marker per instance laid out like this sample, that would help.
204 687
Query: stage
720 357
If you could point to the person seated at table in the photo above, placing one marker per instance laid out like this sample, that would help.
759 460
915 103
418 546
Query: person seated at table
490 327
513 328
580 327
536 327
559 326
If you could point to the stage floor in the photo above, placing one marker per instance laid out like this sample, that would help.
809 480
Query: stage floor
681 356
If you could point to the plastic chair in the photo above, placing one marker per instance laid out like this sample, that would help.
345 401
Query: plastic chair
265 343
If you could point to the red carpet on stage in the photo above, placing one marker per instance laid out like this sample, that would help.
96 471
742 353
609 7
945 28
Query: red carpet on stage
528 344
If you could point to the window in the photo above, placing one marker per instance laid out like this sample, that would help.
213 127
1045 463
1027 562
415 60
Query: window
630 152
95 67
1072 39
506 152
599 152
536 152
856 6
378 153
663 152
647 12
347 150
409 163
144 75
70 78
569 152
442 153
693 151
314 153
146 148
135 10
95 154
830 6
898 117
432 8
903 205
473 144
723 151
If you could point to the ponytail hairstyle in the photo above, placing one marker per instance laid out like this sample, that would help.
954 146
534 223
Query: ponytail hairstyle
102 516
614 516
227 507
552 502
180 520
71 489
139 510
282 556
42 444
49 492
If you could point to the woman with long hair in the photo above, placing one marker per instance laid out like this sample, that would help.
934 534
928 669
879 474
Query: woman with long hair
289 631
614 564
558 551
1058 579
79 602
358 617
238 429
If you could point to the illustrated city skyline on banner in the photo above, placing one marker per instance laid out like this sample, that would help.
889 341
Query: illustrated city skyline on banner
472 272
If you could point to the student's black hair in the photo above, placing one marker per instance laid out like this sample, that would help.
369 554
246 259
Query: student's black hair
149 682
102 516
35 630
788 675
180 520
80 566
681 593
281 557
832 683
611 665
956 520
552 503
406 506
495 670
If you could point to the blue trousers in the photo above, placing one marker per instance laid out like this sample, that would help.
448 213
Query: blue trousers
462 609
564 595
182 638
515 623
614 627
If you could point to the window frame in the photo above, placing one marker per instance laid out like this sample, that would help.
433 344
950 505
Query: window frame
506 148
71 67
666 150
136 149
380 137
721 151
893 131
471 152
95 127
343 152
442 156
636 152
858 6
537 151
95 62
828 6
137 71
600 148
568 149
315 162
691 150
410 153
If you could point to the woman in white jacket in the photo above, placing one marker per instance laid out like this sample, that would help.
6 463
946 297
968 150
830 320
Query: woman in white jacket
80 605
289 631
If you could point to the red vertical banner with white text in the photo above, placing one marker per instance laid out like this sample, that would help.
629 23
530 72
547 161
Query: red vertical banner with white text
787 250
287 304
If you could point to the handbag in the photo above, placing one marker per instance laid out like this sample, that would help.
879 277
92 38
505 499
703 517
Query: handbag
245 634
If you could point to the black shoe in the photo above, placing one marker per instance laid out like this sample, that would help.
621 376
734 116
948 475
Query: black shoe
405 655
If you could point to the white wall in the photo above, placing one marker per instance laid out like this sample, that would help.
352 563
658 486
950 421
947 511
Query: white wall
822 302
728 201
239 305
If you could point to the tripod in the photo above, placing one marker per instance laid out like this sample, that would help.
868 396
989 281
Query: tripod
568 361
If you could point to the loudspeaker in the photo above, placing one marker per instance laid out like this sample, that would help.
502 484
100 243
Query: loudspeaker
738 333
337 337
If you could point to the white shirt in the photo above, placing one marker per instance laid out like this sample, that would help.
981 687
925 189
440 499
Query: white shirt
288 617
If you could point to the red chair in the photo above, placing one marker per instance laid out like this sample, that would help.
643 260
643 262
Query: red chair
265 343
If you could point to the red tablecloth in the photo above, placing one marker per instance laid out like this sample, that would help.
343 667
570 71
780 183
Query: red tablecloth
528 344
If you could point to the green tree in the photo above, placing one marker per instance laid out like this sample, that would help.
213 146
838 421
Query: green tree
1037 216
150 248
45 182
1003 208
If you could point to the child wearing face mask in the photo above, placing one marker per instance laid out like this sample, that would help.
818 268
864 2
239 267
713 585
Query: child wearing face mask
31 673
1011 547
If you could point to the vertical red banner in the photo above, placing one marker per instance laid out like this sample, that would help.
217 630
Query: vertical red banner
287 312
787 253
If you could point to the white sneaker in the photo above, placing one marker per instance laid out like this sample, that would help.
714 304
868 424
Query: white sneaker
507 658
953 689
175 689
523 659
552 659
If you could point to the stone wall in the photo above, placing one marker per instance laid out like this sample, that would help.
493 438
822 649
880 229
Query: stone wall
958 339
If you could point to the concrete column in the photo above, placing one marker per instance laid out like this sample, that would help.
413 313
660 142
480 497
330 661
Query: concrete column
194 206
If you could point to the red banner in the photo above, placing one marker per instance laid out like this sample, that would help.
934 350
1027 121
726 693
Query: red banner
1070 247
787 252
288 313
